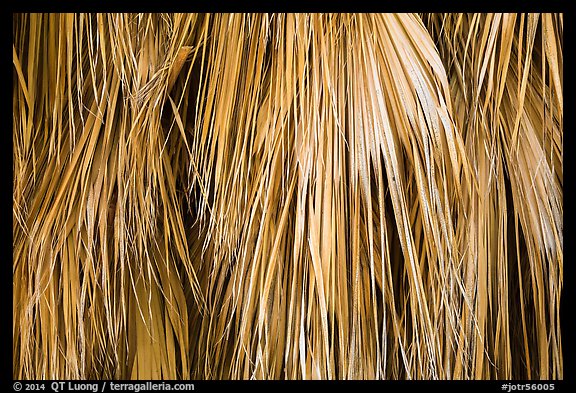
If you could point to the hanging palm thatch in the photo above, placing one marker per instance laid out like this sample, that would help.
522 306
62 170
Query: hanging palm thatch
287 196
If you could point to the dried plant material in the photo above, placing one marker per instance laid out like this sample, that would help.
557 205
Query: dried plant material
287 196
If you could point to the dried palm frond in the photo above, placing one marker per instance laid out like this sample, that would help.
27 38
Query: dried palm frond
287 196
